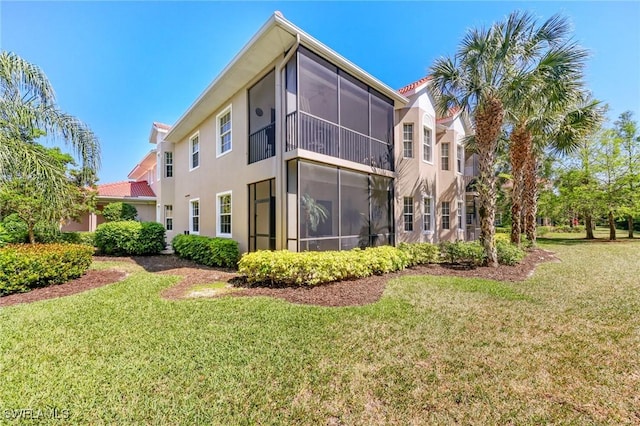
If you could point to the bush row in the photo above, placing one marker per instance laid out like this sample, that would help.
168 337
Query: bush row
472 253
23 267
130 238
420 253
207 251
86 238
310 268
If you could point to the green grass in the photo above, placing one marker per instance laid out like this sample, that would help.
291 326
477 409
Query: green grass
561 347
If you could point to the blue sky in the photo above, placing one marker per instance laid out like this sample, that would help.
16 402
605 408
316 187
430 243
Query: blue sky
119 66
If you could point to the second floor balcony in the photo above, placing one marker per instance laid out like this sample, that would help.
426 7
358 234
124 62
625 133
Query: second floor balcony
304 131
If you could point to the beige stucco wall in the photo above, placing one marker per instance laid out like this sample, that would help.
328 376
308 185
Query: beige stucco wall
228 172
418 178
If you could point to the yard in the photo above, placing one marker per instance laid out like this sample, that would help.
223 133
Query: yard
560 347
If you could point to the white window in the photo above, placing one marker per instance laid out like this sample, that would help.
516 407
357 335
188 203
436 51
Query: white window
168 164
194 216
407 140
444 156
427 145
460 223
446 210
168 217
426 214
194 146
224 214
223 121
460 158
408 213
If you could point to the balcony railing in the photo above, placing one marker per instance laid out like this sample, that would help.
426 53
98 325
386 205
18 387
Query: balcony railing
324 137
262 144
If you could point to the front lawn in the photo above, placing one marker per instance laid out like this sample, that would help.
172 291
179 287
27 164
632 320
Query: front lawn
561 347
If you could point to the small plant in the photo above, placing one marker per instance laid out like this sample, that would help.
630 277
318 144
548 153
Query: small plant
462 252
207 251
509 254
130 238
115 212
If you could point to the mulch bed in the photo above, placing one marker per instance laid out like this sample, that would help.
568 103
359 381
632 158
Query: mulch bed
345 293
369 290
92 279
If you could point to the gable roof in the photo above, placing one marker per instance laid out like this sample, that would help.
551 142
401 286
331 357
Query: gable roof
272 41
161 126
125 189
411 86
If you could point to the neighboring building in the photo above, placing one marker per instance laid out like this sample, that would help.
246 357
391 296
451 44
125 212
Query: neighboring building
137 191
294 147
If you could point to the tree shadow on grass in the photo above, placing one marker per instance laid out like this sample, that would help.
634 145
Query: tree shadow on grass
580 241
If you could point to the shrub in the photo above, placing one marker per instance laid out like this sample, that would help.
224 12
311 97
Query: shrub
130 238
462 252
503 230
23 267
117 212
509 254
207 251
312 268
86 238
14 230
543 230
568 229
420 253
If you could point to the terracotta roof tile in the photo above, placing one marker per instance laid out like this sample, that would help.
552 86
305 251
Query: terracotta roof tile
413 85
452 112
161 125
127 189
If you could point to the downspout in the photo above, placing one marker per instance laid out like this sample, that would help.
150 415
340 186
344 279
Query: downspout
281 178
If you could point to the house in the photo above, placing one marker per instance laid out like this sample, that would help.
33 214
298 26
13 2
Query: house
137 191
294 147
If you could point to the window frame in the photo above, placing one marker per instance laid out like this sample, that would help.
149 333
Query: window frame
191 216
167 164
459 158
219 232
405 214
167 218
405 141
196 135
444 165
430 145
220 135
460 216
447 215
427 221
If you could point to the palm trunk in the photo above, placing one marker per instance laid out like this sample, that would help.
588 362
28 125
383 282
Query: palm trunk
520 141
488 120
531 196
630 225
612 227
588 224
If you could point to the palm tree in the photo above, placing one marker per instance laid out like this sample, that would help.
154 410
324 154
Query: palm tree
477 81
28 110
548 83
563 133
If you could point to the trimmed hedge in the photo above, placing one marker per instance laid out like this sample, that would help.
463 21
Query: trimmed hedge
420 253
86 238
311 268
206 250
23 267
130 238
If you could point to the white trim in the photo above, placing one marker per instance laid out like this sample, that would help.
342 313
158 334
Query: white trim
424 126
442 144
431 215
413 139
219 233
460 145
191 138
168 217
191 231
225 111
